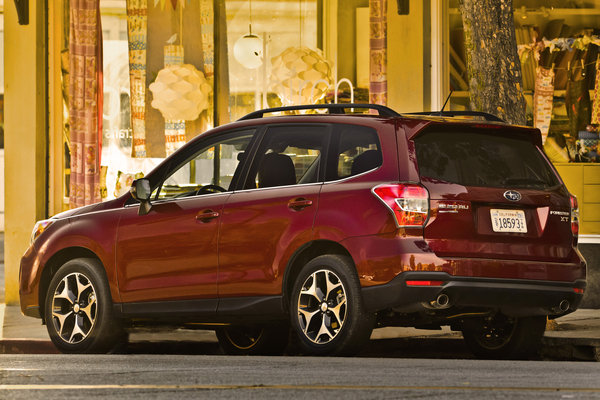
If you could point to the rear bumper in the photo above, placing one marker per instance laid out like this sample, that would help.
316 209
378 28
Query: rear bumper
515 297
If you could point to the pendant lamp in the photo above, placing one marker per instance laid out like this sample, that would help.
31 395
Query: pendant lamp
248 50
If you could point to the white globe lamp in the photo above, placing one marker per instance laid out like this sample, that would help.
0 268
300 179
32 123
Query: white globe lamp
248 51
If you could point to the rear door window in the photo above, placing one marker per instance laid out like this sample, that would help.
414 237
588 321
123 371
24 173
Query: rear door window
475 158
289 155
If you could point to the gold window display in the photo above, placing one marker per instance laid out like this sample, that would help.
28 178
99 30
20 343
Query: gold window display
143 37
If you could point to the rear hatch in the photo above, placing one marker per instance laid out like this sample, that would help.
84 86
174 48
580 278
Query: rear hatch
493 194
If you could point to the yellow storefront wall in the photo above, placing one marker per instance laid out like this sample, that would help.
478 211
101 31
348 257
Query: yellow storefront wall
583 181
25 135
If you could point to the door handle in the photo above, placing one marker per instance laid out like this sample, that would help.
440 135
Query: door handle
299 204
206 215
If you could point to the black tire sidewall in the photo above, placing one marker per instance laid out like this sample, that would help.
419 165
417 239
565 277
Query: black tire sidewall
272 341
524 342
358 324
106 330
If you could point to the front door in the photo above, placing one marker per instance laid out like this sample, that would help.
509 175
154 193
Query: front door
172 252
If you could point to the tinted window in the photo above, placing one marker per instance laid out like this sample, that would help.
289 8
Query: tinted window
356 151
479 159
287 156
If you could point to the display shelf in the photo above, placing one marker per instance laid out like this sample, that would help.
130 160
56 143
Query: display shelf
546 12
557 93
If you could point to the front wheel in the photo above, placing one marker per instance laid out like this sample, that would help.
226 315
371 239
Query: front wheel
78 309
253 340
503 337
326 308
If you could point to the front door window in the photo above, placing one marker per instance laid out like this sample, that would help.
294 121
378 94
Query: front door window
210 170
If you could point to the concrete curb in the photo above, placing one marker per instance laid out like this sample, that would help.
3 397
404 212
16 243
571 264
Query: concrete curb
579 349
27 346
553 348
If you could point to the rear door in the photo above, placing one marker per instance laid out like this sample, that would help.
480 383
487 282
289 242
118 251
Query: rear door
273 213
493 194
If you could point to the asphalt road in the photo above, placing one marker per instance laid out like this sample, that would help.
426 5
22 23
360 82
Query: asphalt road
184 377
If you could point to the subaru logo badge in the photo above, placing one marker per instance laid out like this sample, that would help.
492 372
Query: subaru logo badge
512 195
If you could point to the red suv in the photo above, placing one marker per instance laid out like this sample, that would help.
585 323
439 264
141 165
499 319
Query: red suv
321 227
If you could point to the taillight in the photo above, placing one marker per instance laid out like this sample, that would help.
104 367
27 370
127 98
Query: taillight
574 217
409 203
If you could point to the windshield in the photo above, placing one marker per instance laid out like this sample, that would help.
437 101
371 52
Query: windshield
475 158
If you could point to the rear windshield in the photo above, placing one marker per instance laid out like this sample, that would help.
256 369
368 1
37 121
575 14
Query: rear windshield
480 159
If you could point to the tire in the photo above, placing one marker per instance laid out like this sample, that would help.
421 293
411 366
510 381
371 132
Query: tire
326 308
502 337
253 340
78 309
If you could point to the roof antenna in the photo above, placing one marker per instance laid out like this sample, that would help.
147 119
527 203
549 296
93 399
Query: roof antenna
446 102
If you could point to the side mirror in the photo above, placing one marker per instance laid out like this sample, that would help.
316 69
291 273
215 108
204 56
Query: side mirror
140 190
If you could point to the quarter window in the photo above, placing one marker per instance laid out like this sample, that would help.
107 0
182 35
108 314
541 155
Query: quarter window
357 151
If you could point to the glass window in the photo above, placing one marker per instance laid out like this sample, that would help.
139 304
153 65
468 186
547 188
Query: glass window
288 156
480 159
357 151
210 170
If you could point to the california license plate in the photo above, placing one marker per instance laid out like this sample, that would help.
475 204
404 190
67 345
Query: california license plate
508 221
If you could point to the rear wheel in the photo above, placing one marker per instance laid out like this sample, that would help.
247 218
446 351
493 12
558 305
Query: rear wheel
326 308
253 340
78 309
503 337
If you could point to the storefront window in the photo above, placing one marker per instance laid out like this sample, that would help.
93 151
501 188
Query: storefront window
142 38
558 49
118 167
279 26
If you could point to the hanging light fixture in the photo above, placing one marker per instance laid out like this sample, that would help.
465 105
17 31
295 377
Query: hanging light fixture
300 75
248 50
180 92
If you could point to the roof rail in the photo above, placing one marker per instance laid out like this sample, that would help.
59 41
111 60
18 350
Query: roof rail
486 116
333 109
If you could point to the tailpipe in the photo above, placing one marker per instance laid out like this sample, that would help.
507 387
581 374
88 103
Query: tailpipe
441 302
562 307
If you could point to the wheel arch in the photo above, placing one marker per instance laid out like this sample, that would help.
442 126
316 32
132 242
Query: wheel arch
303 255
53 264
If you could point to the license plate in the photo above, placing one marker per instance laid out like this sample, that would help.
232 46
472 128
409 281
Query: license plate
508 221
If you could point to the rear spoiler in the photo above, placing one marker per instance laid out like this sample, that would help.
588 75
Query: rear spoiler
484 115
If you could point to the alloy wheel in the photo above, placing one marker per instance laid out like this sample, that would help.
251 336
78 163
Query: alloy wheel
74 308
496 332
322 306
243 338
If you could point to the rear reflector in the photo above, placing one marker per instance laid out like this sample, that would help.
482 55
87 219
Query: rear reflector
409 203
424 283
578 290
574 217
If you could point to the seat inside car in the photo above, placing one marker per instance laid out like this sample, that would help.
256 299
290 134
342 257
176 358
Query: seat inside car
276 170
366 161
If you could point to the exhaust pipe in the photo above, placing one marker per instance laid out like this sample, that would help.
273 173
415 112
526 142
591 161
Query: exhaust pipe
564 305
441 302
